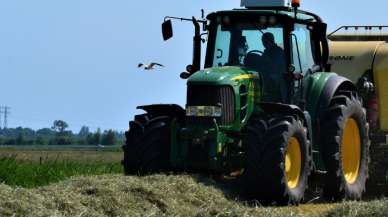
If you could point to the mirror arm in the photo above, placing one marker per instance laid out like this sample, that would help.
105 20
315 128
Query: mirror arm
184 19
196 46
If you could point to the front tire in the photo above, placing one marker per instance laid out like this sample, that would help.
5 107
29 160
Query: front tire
278 161
345 148
147 145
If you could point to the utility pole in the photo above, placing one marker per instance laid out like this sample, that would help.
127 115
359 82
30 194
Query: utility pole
1 113
6 113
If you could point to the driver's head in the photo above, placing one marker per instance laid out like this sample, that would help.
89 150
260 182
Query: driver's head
243 46
268 40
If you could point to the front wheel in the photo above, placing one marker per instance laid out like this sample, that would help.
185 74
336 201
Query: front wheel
147 145
278 160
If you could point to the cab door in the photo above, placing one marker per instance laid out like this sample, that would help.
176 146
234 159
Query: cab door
302 59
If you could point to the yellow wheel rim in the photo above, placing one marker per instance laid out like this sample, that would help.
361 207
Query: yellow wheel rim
293 162
351 151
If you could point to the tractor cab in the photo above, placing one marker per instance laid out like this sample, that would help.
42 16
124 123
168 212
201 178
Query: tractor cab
280 43
277 44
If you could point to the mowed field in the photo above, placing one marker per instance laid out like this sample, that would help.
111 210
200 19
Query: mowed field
91 183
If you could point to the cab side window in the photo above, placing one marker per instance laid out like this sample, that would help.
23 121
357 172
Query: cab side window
302 53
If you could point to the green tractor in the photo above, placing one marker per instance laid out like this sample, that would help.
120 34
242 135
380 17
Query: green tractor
265 109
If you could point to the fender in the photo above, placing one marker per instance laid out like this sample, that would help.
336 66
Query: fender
289 109
269 107
172 110
320 89
332 86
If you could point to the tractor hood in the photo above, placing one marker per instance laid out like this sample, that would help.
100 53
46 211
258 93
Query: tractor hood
227 75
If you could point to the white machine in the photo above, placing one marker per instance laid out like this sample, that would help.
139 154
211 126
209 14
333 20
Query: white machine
265 3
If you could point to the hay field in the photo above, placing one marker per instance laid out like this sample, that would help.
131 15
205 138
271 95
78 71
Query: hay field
90 183
74 155
158 195
34 168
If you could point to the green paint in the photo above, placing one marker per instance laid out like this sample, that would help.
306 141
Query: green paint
314 86
226 76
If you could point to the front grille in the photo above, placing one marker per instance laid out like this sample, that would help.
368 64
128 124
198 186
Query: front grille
198 95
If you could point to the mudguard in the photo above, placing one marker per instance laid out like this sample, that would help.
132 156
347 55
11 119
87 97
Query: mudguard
171 110
289 109
281 108
320 89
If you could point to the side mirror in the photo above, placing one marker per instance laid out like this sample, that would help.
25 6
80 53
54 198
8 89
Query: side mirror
167 30
185 75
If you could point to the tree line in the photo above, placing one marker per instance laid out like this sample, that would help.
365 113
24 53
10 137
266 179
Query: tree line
59 135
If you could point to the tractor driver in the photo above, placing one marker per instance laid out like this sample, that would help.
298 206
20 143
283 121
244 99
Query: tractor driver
273 70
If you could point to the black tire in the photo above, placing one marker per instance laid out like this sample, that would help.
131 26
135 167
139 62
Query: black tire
147 145
344 179
265 177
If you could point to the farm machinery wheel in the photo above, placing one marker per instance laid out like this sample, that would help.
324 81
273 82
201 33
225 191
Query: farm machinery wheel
147 145
278 160
345 147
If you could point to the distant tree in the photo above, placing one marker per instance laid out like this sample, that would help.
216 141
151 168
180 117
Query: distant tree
61 140
67 133
20 139
59 126
40 140
97 137
81 141
45 132
84 131
10 141
29 142
108 138
90 139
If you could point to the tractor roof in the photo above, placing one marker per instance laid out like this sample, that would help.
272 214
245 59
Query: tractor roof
301 15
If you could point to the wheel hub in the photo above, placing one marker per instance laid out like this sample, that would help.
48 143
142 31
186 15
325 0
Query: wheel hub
293 162
351 151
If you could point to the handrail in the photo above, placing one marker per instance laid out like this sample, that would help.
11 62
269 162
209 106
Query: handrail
357 27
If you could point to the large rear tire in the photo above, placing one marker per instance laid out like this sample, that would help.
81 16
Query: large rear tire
345 147
278 160
147 145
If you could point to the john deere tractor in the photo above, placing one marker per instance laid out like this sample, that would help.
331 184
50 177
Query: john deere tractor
264 109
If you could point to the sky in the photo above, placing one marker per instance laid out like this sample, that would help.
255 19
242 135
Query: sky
76 60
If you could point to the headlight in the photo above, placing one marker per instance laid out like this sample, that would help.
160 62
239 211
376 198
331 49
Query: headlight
203 111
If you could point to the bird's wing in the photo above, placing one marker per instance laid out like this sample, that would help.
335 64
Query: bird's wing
140 65
157 64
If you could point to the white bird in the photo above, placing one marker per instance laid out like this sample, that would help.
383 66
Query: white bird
149 66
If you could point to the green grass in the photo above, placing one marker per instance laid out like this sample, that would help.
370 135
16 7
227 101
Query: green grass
33 174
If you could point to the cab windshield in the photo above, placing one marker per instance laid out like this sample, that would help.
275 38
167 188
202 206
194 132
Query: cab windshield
243 44
256 47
